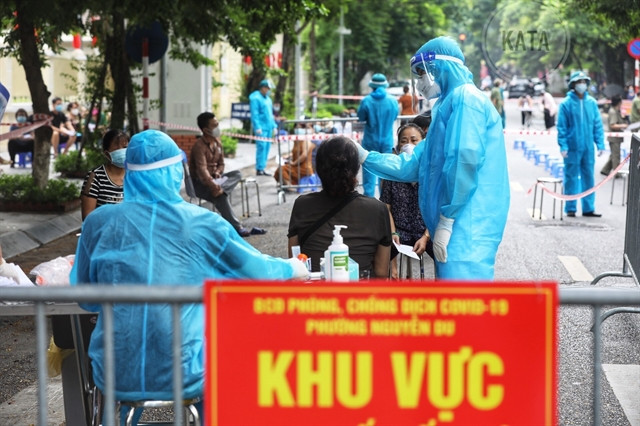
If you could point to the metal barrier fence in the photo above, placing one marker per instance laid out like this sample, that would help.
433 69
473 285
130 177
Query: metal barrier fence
48 300
631 256
303 181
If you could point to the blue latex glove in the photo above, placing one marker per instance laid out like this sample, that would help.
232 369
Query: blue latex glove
441 239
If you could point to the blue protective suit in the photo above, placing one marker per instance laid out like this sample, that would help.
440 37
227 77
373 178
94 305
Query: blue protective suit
461 168
263 124
579 128
380 111
155 238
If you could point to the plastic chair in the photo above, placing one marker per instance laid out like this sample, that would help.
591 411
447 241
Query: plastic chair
309 183
24 158
188 185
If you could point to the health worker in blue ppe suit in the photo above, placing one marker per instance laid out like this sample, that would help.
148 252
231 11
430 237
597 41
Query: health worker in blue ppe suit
379 110
579 130
263 123
461 167
155 238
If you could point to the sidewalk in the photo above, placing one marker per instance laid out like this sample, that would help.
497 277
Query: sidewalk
21 232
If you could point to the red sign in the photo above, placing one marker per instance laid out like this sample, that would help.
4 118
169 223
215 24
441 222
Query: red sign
380 353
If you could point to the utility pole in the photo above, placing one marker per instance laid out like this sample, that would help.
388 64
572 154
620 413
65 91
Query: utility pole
298 64
343 32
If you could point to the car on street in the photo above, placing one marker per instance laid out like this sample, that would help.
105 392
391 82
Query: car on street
520 87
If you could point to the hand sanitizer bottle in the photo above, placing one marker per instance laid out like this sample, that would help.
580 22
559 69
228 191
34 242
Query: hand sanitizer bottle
336 258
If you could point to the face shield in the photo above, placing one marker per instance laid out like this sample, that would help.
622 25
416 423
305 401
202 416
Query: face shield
423 68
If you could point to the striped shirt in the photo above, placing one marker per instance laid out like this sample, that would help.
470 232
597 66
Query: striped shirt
98 185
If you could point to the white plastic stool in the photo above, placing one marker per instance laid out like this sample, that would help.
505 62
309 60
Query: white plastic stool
555 181
244 193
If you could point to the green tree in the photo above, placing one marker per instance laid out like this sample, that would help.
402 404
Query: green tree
30 25
34 24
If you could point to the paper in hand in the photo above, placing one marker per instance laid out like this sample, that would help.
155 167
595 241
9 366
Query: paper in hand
220 180
406 250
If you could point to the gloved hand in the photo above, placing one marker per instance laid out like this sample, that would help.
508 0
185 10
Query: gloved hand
564 154
600 152
300 270
362 153
441 239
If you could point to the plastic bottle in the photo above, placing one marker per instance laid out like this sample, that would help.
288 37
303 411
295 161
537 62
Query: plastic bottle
336 258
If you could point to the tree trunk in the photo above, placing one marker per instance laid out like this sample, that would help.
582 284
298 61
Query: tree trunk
119 72
312 56
30 58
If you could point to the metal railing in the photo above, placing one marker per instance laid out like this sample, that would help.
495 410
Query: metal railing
349 126
47 300
43 297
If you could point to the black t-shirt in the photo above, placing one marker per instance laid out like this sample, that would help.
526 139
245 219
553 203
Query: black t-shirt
59 118
367 221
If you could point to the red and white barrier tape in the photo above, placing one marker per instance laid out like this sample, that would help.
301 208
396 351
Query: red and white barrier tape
41 120
195 129
353 97
554 133
317 136
282 138
565 197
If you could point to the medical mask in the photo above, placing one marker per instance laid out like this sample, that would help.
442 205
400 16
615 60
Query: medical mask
74 111
59 107
427 87
21 119
118 156
407 148
301 131
215 132
581 88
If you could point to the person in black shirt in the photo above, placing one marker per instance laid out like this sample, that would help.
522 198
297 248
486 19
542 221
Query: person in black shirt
63 131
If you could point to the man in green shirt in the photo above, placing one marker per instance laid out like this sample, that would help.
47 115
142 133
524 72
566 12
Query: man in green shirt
498 99
635 110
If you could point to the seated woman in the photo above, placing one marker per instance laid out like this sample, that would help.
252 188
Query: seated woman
103 185
23 143
298 164
315 214
401 198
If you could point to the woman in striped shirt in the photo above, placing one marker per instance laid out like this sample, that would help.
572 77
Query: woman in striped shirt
103 185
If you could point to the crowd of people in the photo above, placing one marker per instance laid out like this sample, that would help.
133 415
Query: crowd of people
67 125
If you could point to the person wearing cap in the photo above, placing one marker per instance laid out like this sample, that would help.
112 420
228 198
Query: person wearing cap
461 168
616 124
263 123
155 238
579 129
379 111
